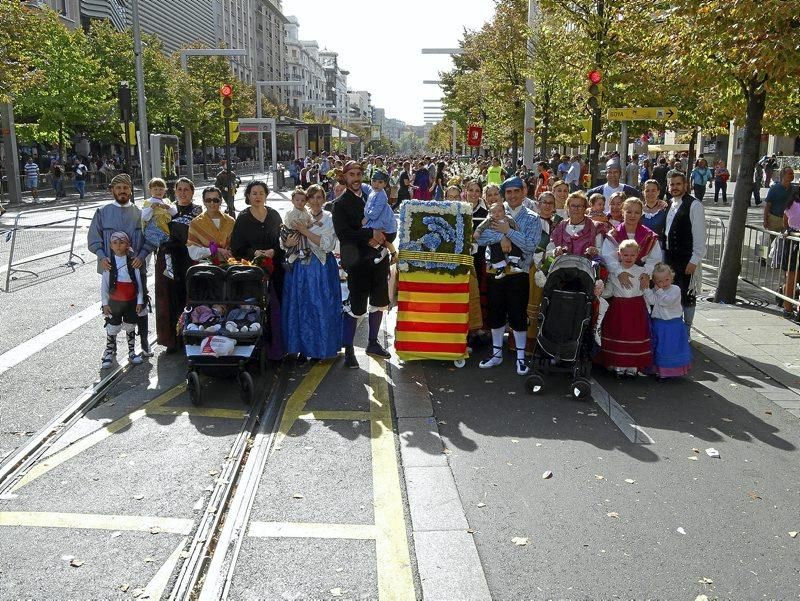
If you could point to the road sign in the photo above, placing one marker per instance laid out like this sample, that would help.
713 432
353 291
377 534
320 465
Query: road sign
233 128
646 113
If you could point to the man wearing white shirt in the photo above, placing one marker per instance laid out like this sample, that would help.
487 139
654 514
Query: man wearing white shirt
685 243
573 176
613 184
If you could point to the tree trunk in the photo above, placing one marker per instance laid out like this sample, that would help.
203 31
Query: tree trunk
732 256
544 138
514 148
692 152
61 143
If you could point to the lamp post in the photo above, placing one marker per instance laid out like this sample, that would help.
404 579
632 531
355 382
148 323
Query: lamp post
528 142
185 54
144 136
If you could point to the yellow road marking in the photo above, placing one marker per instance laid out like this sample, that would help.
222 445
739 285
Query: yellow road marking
348 416
156 587
299 398
93 521
92 439
395 579
200 412
308 530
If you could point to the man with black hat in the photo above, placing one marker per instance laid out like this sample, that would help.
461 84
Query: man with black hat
508 296
367 281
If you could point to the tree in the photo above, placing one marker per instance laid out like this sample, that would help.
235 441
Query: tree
740 53
113 49
67 98
17 47
440 138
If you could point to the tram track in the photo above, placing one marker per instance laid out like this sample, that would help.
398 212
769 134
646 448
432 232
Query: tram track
224 510
16 466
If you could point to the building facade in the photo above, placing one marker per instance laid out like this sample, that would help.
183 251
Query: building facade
303 64
360 105
68 10
335 84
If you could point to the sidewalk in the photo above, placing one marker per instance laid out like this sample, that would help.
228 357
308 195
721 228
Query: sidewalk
761 346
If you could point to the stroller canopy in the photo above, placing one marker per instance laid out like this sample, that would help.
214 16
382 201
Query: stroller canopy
245 283
205 284
572 273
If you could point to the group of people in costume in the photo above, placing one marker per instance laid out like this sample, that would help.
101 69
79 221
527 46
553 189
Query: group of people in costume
646 253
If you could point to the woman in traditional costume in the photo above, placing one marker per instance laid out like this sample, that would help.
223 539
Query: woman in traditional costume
210 233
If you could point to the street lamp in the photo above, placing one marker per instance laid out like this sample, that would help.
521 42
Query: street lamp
451 52
185 54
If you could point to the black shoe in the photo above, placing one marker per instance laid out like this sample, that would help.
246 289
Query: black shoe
301 359
350 358
373 348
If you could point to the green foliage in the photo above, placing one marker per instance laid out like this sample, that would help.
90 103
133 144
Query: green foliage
67 99
17 48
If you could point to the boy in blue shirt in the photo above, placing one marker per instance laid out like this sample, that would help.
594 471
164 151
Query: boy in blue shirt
378 215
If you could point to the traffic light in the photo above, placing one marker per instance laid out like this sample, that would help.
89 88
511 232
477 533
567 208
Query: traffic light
226 100
595 89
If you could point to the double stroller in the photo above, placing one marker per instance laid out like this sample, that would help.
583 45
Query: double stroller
564 339
224 325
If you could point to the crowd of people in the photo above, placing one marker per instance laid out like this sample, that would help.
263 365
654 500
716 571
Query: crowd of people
646 243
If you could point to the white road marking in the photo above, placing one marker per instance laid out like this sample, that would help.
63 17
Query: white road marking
19 353
619 416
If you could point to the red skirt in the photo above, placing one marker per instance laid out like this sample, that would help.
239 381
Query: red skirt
626 334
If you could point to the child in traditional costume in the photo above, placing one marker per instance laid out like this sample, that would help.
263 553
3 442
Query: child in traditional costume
156 215
672 356
378 215
625 330
122 298
298 214
501 262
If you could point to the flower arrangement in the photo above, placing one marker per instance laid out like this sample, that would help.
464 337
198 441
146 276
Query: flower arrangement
436 236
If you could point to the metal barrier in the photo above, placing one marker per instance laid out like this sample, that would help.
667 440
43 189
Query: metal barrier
36 236
769 261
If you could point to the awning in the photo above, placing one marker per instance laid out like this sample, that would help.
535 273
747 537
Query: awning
667 147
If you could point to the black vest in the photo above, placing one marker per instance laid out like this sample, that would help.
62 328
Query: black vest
679 239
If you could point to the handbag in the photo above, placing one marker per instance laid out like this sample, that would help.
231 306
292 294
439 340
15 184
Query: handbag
691 291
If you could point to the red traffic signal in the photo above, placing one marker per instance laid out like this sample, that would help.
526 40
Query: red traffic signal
226 91
595 76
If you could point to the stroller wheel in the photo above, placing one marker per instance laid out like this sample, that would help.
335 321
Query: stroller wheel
246 382
534 384
193 387
459 363
581 389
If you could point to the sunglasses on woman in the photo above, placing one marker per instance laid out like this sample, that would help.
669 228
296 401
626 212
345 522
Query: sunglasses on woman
213 199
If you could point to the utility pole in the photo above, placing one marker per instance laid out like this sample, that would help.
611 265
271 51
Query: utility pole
11 155
528 144
594 143
144 134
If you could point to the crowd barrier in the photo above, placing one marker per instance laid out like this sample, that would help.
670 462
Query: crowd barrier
36 237
767 258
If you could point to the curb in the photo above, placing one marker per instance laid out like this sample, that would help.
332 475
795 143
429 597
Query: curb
447 557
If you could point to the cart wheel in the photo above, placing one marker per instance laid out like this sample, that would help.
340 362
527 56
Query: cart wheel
246 382
193 387
534 384
459 363
581 389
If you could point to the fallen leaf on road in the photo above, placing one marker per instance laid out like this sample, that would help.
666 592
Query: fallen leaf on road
705 580
701 598
547 475
734 385
591 415
753 495
442 422
481 504
489 381
514 440
696 451
630 480
185 554
213 473
768 412
555 421
155 530
297 495
511 392
139 497
725 419
76 563
538 444
137 592
599 477
520 541
613 514
149 560
712 452
446 451
124 587
115 534
336 592
793 534
470 531
693 459
681 530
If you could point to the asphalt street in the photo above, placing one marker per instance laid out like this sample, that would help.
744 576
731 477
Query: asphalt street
395 481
